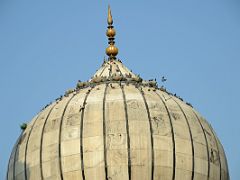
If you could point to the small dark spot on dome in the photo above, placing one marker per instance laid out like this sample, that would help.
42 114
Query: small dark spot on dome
214 157
189 104
175 116
82 108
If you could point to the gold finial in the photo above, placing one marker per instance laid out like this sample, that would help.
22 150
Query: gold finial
111 50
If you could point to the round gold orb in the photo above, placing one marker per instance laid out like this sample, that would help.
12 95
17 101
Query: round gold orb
112 50
111 33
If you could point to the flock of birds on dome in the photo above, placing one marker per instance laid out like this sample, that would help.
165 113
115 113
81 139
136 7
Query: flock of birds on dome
114 78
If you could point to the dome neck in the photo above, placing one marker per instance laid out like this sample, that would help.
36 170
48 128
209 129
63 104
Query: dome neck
113 69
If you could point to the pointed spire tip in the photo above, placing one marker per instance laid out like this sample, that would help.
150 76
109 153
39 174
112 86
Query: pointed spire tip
110 20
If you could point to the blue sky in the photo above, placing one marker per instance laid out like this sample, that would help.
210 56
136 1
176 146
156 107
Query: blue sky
46 46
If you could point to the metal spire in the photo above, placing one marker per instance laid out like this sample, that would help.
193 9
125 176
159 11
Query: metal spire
111 50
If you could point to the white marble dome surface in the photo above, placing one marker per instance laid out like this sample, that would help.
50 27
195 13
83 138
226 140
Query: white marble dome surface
117 126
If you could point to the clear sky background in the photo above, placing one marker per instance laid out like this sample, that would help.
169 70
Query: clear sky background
47 45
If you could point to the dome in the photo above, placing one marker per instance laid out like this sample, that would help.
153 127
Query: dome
118 126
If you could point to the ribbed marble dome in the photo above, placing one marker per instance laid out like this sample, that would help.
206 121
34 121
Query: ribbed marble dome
118 126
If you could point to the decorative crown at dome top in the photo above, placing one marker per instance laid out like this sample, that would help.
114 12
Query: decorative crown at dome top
111 50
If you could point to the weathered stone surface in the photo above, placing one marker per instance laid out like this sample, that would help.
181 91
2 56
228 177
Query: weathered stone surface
118 131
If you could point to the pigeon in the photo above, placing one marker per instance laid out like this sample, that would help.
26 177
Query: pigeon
164 79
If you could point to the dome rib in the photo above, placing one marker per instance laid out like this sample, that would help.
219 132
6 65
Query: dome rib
191 137
81 131
140 134
110 71
41 139
26 147
52 120
180 136
60 137
119 70
218 153
71 132
8 166
173 135
128 134
103 69
223 159
206 141
13 158
151 132
124 68
213 147
104 129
